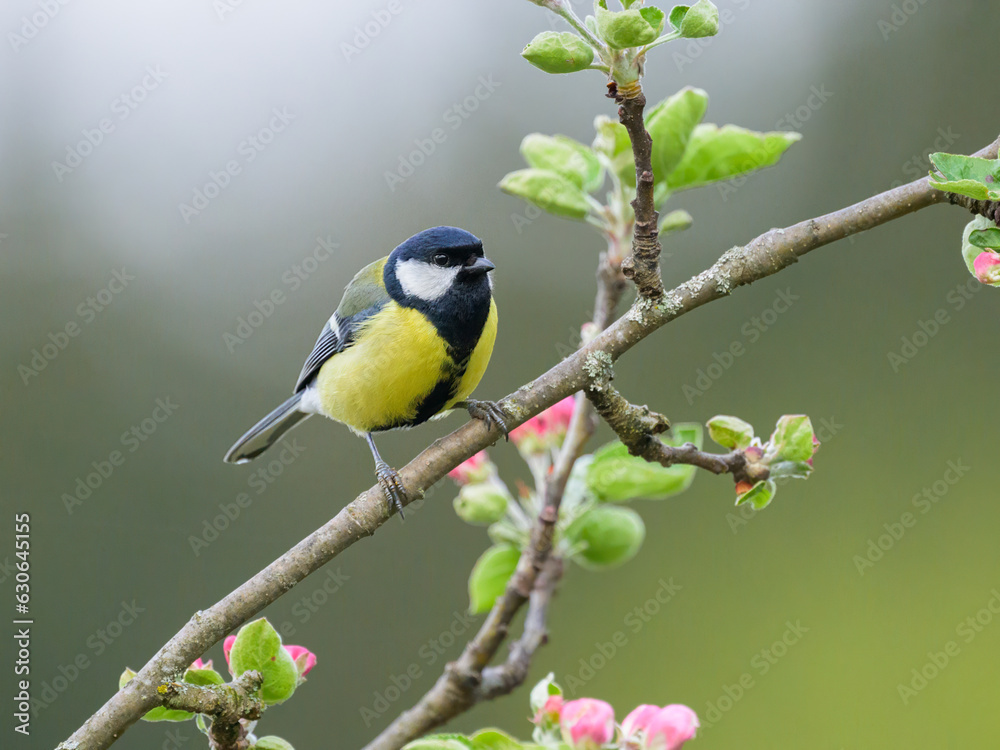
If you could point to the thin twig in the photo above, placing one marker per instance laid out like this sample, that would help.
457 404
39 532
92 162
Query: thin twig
643 265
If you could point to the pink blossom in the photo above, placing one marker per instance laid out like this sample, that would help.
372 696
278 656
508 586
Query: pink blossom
638 719
986 267
550 710
227 646
545 430
670 728
304 658
587 723
471 470
199 664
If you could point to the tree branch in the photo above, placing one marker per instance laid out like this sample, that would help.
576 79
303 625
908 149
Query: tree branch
989 209
637 428
226 704
762 257
504 678
643 265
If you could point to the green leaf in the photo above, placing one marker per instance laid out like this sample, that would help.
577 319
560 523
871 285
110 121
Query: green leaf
558 52
715 153
730 432
702 19
258 646
670 124
654 17
203 677
792 439
613 143
441 742
675 221
677 15
616 476
270 742
126 677
789 469
160 713
494 739
490 575
760 495
565 156
967 175
628 28
610 535
542 691
986 238
548 190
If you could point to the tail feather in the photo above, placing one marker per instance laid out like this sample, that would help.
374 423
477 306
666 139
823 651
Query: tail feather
267 431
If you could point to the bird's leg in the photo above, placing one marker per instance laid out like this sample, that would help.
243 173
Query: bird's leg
388 479
488 411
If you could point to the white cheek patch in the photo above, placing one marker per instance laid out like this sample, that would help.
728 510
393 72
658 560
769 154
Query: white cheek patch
425 281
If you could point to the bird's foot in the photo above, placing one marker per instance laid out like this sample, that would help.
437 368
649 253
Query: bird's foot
392 486
490 412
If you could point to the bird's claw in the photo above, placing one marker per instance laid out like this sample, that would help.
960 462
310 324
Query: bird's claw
490 412
392 486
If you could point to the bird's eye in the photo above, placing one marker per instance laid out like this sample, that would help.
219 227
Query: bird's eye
441 260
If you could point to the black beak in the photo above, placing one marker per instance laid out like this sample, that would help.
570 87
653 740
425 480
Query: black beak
478 267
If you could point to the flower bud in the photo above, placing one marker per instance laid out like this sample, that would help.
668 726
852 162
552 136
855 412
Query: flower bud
987 267
546 430
670 728
550 711
483 503
479 468
227 647
587 723
637 720
609 535
304 659
558 52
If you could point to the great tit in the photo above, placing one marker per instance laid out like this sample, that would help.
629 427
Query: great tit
409 341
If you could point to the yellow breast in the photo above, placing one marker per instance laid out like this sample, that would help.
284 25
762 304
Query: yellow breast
396 362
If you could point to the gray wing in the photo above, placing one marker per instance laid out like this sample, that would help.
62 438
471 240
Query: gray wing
364 297
337 335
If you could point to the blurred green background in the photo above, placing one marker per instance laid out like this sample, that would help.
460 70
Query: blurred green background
899 79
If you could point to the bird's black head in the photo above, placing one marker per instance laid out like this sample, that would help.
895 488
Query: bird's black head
433 263
442 272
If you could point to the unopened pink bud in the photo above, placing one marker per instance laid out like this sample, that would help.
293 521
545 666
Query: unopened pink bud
304 658
550 711
199 664
670 728
545 430
638 719
587 723
227 646
472 470
987 267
